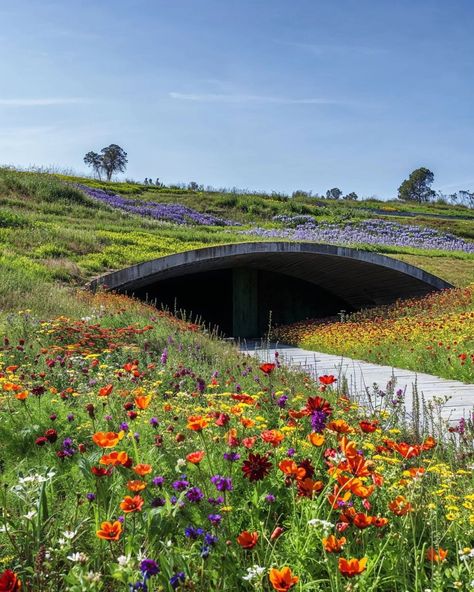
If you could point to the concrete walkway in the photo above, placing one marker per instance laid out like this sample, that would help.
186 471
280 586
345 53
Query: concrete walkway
361 376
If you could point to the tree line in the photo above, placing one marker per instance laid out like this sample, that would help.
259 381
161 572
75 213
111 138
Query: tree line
416 188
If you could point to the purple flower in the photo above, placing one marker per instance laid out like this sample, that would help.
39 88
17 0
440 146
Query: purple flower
270 498
290 452
180 485
281 402
70 417
149 567
90 497
164 356
194 495
158 481
158 502
231 456
214 519
123 427
318 421
216 501
154 422
193 533
177 579
222 483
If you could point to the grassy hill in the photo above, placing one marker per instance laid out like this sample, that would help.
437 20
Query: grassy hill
54 236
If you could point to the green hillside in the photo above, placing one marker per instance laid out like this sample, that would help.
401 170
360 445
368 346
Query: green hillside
53 236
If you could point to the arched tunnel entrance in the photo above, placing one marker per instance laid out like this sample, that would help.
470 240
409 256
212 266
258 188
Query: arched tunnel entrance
243 301
237 286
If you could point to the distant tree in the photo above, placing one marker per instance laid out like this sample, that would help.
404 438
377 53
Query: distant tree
334 193
145 182
111 159
193 186
157 182
417 186
352 195
94 160
114 160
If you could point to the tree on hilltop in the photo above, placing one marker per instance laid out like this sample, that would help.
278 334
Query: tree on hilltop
418 186
111 159
334 193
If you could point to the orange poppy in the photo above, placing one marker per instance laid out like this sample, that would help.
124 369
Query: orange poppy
142 469
362 520
107 439
379 522
195 457
307 487
282 579
132 504
247 540
436 556
352 567
291 469
333 545
273 437
136 485
110 531
197 423
247 422
114 458
327 379
429 443
22 396
142 401
400 506
106 390
316 439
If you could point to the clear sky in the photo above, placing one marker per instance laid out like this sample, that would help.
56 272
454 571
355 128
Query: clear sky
262 94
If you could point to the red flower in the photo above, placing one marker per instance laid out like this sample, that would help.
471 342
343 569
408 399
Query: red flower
282 579
327 379
318 404
247 540
41 441
267 368
352 567
256 467
9 581
51 435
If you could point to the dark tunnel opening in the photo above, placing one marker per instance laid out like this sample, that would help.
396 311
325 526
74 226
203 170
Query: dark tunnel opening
239 301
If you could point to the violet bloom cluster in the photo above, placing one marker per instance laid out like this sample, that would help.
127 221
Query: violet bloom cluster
170 212
372 232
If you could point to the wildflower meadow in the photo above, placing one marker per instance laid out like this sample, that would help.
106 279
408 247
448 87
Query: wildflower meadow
139 453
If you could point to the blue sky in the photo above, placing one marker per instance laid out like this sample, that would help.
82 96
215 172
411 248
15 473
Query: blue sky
274 95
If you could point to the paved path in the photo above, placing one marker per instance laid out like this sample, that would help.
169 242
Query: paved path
361 376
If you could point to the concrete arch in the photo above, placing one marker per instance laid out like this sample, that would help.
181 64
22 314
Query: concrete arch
352 276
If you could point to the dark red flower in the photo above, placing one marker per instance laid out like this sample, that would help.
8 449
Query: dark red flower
256 467
41 441
318 404
51 435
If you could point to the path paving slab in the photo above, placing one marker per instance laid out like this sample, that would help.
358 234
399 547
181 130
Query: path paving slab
362 375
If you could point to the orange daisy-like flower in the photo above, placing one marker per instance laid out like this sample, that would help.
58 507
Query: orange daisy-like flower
316 439
142 401
136 485
400 506
21 397
436 556
267 368
368 426
132 504
291 469
332 544
340 426
307 487
114 459
106 390
9 581
197 423
282 579
195 457
142 469
327 379
352 567
273 437
247 540
361 520
110 531
107 439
